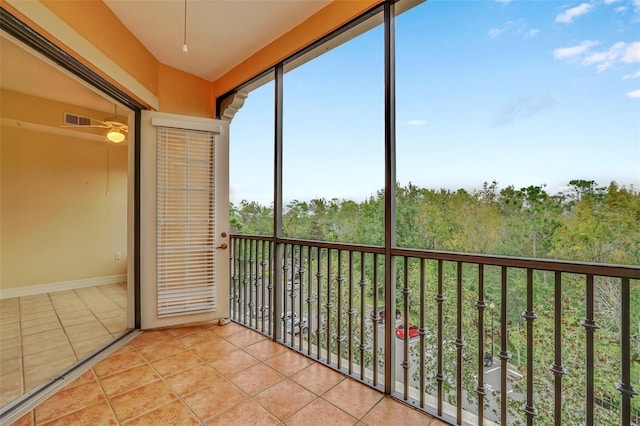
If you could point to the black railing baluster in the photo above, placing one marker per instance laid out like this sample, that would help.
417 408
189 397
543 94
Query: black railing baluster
440 298
374 318
405 321
590 326
363 285
263 275
252 279
309 296
234 277
351 312
319 328
422 330
530 316
283 286
329 305
271 318
459 343
340 280
245 283
624 386
299 293
481 305
557 368
504 350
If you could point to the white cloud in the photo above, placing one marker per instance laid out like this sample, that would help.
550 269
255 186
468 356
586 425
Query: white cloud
568 15
632 54
621 9
610 1
570 52
620 51
630 76
495 32
504 1
634 95
417 122
532 32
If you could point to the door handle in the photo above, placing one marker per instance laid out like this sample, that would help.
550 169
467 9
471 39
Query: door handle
222 246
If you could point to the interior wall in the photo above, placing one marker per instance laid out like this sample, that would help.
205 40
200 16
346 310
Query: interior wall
63 213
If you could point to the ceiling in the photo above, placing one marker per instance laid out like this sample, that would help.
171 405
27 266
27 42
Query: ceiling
220 33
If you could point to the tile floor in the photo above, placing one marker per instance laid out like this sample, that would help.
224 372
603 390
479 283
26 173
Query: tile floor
42 334
216 375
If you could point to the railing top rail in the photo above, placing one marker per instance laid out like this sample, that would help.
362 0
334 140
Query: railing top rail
598 269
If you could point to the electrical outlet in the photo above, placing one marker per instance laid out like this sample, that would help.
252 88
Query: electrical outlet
118 255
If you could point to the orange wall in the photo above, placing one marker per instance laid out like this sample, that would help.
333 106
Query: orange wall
97 24
180 92
317 26
183 93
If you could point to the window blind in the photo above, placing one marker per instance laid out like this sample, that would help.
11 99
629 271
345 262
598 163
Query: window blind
185 221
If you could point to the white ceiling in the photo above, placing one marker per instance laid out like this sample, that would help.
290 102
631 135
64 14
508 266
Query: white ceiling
220 33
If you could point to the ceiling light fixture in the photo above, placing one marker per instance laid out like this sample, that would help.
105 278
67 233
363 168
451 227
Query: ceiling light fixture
115 135
184 46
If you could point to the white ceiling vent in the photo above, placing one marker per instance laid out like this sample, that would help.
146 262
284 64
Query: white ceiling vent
76 120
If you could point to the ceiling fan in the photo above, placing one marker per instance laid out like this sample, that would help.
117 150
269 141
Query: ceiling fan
117 129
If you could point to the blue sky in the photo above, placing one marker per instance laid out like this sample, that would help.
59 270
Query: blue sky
520 92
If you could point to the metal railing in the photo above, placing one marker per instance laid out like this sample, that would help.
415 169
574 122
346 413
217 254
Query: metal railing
481 339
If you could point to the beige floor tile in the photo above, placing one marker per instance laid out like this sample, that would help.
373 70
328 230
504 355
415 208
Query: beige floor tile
245 338
44 341
161 350
173 413
85 347
83 328
288 362
9 334
317 378
285 398
173 364
389 411
198 338
151 337
41 327
192 379
320 412
214 350
233 362
96 414
214 399
9 366
129 379
12 389
69 400
43 365
265 349
255 379
75 320
142 400
342 394
118 362
39 316
247 412
10 349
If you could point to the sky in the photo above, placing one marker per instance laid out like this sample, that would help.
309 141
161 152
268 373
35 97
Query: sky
519 92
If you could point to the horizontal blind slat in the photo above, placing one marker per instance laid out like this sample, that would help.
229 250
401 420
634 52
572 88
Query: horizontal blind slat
185 221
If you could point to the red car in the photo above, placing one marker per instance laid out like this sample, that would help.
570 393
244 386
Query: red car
413 331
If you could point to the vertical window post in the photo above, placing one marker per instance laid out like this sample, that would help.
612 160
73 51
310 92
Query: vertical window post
389 192
276 311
